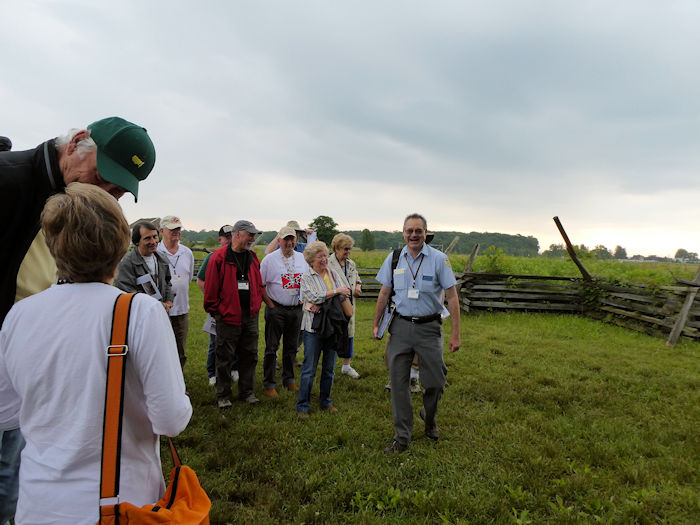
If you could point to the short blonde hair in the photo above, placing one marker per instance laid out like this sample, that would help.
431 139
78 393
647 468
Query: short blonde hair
342 240
86 233
313 249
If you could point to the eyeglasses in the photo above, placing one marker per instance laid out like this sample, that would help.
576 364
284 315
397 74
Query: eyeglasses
417 231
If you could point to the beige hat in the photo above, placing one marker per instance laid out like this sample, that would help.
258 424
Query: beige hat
295 226
286 231
170 222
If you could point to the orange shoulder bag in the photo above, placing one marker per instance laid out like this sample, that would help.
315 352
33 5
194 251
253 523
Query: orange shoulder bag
184 501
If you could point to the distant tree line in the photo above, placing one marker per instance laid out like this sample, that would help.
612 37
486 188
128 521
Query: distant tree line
510 244
383 240
519 245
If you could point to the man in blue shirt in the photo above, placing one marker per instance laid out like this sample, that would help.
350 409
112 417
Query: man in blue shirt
420 276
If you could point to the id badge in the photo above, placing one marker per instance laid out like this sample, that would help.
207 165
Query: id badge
175 278
243 285
413 293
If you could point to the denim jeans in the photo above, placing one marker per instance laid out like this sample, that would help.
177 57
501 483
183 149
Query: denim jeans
313 347
211 357
11 444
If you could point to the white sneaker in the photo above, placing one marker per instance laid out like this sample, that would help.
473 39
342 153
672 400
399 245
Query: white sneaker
234 376
212 381
350 371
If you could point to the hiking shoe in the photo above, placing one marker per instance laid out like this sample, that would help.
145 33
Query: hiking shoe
415 386
350 371
303 415
270 392
252 400
224 404
292 387
432 432
330 408
234 376
395 448
212 380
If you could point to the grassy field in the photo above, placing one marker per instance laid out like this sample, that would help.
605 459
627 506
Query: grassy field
629 271
546 419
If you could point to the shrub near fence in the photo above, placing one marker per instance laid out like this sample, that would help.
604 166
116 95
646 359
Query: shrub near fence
647 308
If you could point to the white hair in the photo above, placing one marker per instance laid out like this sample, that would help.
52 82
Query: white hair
83 147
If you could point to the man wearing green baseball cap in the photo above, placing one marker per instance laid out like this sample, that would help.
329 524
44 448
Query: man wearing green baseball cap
113 154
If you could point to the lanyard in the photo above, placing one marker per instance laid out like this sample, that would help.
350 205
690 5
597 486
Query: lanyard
408 263
174 266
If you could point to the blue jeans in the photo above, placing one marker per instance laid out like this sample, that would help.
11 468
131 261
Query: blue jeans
211 357
313 347
11 444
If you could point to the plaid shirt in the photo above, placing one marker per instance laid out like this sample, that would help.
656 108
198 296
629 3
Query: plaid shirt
313 290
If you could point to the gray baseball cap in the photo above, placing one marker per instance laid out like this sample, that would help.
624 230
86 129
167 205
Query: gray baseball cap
246 226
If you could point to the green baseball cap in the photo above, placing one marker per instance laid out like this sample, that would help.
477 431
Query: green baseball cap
125 153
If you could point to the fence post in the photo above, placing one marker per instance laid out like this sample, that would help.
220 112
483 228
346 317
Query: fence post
685 311
572 252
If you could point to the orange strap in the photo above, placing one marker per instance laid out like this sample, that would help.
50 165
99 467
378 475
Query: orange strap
114 400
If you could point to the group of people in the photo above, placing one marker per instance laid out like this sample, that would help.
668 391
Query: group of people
295 283
66 245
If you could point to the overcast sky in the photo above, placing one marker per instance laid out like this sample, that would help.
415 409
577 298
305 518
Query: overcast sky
482 115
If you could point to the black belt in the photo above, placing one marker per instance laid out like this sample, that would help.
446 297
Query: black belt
421 319
292 307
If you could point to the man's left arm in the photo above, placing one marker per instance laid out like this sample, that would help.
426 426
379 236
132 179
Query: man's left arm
191 276
453 308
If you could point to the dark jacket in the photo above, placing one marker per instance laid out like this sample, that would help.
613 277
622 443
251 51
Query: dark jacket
27 179
221 287
331 322
132 266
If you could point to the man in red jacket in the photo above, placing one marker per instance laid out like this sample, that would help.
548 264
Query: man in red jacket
233 293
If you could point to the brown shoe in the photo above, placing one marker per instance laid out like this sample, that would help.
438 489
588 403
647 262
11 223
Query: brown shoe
395 448
303 415
270 392
330 409
292 387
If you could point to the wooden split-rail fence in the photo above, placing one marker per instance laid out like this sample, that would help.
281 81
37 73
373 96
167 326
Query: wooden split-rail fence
669 311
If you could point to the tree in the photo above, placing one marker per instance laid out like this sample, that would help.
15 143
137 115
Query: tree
601 252
620 252
366 240
325 228
685 255
555 250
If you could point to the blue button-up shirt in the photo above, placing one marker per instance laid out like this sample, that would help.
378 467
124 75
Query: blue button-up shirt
433 274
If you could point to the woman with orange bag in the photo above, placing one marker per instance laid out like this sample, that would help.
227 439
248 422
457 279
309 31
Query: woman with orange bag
53 370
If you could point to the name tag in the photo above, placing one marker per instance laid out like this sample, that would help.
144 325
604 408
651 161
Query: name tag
243 285
413 293
427 277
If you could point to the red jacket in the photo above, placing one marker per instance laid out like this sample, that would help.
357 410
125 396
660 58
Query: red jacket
221 286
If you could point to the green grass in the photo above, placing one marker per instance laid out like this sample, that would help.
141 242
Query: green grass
546 419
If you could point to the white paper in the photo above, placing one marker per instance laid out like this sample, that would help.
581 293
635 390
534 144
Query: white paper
149 286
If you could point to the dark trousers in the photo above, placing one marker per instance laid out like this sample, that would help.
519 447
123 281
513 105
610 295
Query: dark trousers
241 342
426 341
181 325
281 322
